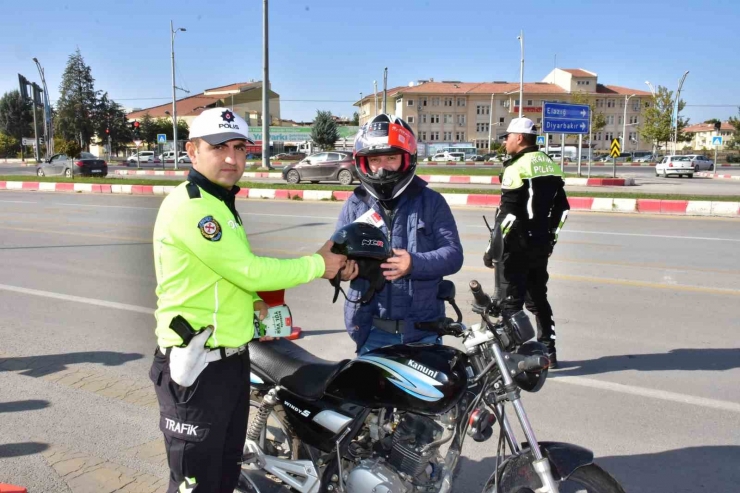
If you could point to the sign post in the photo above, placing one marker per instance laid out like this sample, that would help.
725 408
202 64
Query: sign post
716 142
138 162
614 151
562 118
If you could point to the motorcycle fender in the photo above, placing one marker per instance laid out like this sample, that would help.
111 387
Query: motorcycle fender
517 472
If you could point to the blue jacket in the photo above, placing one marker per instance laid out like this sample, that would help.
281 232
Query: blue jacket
424 226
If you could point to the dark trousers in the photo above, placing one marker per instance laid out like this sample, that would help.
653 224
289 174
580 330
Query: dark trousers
204 425
523 282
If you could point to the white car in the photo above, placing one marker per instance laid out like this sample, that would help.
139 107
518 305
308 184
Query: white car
169 157
144 157
448 156
700 162
675 165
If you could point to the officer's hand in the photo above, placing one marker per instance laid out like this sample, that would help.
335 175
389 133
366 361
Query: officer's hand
398 266
261 306
333 262
487 261
350 271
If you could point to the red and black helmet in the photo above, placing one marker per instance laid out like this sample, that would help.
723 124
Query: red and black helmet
384 135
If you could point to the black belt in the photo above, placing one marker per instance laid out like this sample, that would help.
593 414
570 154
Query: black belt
390 326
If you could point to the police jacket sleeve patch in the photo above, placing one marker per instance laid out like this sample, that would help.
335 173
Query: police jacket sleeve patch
210 228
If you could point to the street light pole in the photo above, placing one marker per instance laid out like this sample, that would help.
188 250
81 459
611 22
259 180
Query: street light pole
48 128
174 31
521 75
624 122
490 123
375 88
675 111
265 89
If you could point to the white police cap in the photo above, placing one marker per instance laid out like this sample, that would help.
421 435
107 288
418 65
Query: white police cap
219 125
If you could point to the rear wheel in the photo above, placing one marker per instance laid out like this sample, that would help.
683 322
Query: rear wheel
293 177
40 172
68 173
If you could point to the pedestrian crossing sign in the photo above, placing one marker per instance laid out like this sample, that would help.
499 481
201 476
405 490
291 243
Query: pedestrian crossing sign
717 140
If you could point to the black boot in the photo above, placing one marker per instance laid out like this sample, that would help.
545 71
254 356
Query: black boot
552 355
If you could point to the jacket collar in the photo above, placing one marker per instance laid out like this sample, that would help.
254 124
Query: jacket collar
194 176
519 154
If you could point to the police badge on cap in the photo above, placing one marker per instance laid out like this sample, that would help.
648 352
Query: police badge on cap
219 125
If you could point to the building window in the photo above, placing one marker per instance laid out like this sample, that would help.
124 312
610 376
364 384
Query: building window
423 118
610 103
410 102
448 119
410 119
434 119
636 105
599 103
633 136
461 101
619 120
461 119
597 136
609 136
422 136
460 136
516 102
447 136
435 101
448 101
501 119
505 103
434 136
529 102
481 127
610 119
423 101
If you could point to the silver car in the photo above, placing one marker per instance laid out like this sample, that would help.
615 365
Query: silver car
85 164
700 162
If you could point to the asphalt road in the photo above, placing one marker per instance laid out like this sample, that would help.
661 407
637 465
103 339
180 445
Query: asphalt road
646 309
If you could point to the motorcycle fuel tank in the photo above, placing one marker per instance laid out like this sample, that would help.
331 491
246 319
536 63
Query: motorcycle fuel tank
420 378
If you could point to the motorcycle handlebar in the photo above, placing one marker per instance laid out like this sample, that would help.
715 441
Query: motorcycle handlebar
482 300
442 327
533 363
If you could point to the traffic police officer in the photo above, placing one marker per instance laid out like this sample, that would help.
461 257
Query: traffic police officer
533 209
207 279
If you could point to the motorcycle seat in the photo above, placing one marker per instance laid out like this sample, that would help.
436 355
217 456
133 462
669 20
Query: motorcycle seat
294 368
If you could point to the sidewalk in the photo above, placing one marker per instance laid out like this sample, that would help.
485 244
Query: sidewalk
645 206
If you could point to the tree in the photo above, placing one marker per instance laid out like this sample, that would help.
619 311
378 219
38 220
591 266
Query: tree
164 126
735 122
657 124
8 144
148 130
355 119
497 147
78 101
324 132
110 117
713 121
16 118
71 148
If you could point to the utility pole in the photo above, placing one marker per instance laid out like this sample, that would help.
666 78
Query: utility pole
48 127
265 89
375 91
521 75
174 31
490 123
675 111
385 89
652 91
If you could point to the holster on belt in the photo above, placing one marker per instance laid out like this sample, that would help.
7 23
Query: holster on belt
189 360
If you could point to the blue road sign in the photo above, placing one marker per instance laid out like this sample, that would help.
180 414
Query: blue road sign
540 140
161 138
717 140
561 118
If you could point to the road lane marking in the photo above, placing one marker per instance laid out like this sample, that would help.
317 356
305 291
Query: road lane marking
79 299
645 392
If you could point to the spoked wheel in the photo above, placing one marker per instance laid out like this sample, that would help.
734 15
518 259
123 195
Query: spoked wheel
587 479
278 440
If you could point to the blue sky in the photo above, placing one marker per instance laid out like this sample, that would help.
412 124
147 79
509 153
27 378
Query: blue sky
332 51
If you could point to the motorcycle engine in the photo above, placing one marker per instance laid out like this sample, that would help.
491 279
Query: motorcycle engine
413 433
372 475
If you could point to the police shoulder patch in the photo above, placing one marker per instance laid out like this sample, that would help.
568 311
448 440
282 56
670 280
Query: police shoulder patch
210 228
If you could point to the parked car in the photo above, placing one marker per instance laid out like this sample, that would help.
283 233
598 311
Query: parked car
144 158
477 158
85 164
323 166
447 156
675 165
642 157
169 157
288 156
700 162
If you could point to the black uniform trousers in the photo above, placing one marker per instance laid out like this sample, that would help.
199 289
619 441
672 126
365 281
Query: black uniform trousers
522 280
204 425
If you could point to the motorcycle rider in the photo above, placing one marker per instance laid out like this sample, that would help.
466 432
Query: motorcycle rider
533 209
420 227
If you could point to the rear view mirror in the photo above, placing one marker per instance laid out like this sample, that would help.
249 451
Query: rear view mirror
446 290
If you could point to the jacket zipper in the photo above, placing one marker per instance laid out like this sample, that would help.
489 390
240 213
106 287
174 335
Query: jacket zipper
391 215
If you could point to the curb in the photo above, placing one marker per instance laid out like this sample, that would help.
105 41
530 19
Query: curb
463 179
717 177
568 163
594 204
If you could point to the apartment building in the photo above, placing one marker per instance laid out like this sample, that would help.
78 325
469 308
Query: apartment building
702 133
455 111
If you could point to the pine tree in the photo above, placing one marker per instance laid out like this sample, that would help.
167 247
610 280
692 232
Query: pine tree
16 119
78 102
324 132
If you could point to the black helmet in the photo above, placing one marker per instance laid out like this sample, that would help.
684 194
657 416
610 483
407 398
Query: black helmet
528 380
369 247
383 135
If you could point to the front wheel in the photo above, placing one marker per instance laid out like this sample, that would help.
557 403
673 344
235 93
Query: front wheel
586 479
293 177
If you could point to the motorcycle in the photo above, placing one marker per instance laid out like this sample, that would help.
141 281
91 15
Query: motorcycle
394 420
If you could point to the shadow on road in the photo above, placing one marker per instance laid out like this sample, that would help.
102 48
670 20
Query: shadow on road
686 470
39 366
28 405
719 359
20 449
